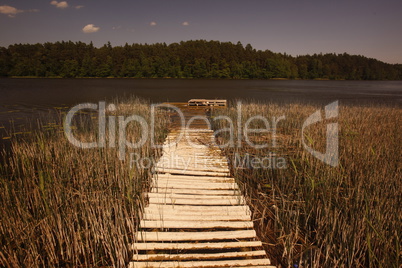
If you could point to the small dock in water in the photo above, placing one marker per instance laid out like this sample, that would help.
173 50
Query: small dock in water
196 216
207 102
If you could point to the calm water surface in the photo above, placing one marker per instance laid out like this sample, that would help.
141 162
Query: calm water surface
22 101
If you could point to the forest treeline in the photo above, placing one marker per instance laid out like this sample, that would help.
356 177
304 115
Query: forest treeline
187 59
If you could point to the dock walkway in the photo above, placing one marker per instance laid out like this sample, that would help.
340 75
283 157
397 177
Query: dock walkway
196 215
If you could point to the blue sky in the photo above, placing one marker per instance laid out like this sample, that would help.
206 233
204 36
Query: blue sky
366 27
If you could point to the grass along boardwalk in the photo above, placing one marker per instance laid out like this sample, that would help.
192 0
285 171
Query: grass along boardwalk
196 215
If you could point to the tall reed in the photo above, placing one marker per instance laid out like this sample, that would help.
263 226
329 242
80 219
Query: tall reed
70 207
310 214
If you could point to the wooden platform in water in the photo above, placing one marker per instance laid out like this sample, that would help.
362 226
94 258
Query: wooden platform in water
207 102
196 215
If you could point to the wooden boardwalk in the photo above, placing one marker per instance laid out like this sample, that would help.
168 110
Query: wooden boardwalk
196 215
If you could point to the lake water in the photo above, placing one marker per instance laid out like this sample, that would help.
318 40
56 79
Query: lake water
24 100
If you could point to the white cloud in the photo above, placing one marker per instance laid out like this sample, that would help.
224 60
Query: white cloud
152 23
186 23
78 7
10 11
90 28
62 4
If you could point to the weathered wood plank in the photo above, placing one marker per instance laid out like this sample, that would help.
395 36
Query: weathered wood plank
193 217
199 185
190 177
195 246
206 184
198 209
192 172
209 184
199 167
204 213
202 158
201 264
197 201
196 192
206 256
189 196
195 236
196 225
191 181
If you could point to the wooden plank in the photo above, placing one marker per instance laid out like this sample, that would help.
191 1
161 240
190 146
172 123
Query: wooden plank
204 156
187 142
192 181
189 157
194 148
199 185
181 257
180 217
175 150
211 186
208 215
195 162
195 236
199 201
204 213
190 160
189 182
199 209
194 167
195 246
190 177
191 172
206 184
196 225
196 192
190 196
186 154
201 264
192 130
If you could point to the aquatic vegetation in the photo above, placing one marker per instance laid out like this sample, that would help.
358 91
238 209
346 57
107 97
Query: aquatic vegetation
63 206
311 214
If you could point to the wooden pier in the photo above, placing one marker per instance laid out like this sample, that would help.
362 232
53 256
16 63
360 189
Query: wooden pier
196 215
207 102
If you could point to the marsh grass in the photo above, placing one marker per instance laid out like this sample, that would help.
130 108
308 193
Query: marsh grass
62 206
314 215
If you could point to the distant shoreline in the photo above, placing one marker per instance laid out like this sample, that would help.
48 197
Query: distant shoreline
189 59
188 78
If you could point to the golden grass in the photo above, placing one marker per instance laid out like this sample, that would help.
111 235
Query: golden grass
314 215
70 207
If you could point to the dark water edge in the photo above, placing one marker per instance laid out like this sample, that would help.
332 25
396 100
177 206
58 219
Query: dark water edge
52 92
25 101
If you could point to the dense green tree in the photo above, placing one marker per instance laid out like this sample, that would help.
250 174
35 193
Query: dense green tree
70 69
190 59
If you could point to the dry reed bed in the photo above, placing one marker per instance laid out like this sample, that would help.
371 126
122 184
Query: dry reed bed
314 215
70 207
